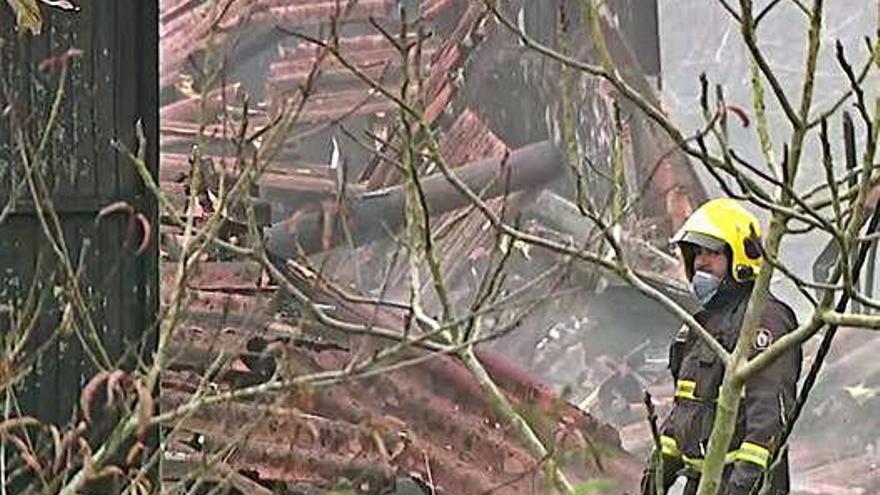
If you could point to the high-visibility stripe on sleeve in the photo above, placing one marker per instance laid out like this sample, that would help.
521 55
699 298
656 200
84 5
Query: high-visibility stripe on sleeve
754 453
669 447
685 389
748 452
696 463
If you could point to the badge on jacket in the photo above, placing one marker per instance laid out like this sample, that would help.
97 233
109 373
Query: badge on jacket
763 339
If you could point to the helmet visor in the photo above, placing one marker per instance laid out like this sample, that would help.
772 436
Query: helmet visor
704 240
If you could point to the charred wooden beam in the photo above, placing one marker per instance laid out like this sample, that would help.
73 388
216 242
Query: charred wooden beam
203 108
570 225
371 215
373 54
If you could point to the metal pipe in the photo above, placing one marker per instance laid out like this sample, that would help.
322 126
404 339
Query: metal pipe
370 215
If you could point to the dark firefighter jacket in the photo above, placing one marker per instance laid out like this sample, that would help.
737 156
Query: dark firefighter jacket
769 396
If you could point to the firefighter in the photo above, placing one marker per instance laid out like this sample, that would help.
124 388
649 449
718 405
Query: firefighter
720 246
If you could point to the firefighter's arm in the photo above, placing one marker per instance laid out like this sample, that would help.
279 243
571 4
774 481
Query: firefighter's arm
763 408
667 461
670 466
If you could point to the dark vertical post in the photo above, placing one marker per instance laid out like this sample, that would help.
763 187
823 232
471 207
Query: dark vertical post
640 22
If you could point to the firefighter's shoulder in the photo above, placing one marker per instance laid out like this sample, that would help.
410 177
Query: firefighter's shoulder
777 320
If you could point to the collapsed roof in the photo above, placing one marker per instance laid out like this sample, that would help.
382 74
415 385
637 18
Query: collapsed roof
430 423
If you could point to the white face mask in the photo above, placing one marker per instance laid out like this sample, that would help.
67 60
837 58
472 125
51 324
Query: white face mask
704 285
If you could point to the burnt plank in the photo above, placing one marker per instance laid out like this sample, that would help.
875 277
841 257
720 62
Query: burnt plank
105 94
83 87
125 75
109 86
70 353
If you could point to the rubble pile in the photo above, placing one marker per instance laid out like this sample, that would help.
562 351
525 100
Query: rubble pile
593 345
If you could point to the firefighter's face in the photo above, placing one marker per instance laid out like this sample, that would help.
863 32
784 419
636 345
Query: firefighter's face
710 261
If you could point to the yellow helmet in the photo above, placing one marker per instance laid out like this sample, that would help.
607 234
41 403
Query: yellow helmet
722 225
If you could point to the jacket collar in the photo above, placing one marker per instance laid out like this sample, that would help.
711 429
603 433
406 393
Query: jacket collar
730 293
